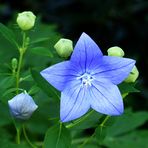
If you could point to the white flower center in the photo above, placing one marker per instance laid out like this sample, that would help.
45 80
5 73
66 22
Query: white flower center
86 79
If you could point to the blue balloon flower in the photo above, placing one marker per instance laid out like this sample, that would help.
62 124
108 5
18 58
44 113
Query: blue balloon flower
89 80
22 106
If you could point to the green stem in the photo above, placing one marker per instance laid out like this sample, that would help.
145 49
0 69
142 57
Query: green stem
21 51
18 72
86 141
104 121
18 136
59 134
79 120
18 133
80 140
101 125
26 137
24 40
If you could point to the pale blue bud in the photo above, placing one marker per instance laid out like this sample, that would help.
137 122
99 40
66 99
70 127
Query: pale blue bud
22 106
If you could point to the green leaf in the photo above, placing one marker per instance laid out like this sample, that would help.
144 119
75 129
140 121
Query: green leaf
57 137
136 139
91 119
6 139
42 51
46 110
5 115
9 91
127 122
34 89
39 40
7 82
44 85
127 88
100 134
8 34
4 143
88 145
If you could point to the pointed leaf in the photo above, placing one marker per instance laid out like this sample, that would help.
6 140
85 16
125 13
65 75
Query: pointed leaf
127 88
57 137
7 82
9 91
8 34
127 122
42 51
100 134
33 90
87 121
39 40
135 139
44 85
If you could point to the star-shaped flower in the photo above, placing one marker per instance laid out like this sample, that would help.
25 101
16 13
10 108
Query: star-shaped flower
89 80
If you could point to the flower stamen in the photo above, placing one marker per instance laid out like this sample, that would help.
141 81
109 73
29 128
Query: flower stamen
86 79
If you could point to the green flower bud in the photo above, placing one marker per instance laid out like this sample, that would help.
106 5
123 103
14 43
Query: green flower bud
64 47
133 75
115 51
26 20
124 95
14 63
27 42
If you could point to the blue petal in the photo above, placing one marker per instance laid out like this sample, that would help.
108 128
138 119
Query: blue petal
16 103
115 69
85 52
105 98
28 105
74 102
58 75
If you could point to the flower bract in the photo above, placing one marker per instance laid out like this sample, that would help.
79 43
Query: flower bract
89 80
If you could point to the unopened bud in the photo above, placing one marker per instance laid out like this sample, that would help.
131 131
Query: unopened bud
115 51
26 20
26 43
124 95
64 47
14 63
22 106
133 75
